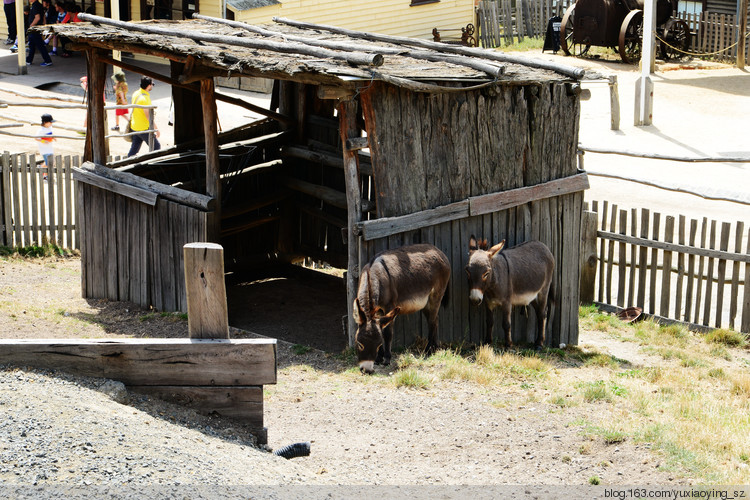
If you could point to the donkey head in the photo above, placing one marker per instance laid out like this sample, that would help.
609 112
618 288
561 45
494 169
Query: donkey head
479 269
369 337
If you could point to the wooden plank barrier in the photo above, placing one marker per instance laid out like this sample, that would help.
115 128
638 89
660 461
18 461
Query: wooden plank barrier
697 280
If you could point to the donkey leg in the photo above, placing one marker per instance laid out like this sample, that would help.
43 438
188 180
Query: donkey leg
384 353
432 320
541 322
506 311
490 323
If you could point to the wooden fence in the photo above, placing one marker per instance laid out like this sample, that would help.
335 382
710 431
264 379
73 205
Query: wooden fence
502 21
693 271
33 209
713 34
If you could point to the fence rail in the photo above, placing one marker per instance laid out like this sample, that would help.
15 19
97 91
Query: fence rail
693 271
37 204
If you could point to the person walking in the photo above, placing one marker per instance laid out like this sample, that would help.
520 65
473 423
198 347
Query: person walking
139 117
10 17
121 97
36 15
44 137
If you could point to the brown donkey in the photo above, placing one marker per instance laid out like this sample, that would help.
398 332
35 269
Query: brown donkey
399 281
516 276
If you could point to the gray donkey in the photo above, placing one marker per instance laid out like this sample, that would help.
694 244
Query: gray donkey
504 278
399 281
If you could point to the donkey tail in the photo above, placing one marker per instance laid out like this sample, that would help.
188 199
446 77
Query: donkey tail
446 296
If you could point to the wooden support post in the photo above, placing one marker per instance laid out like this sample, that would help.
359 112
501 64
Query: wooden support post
213 178
741 30
588 257
96 149
21 39
188 116
349 130
206 291
614 103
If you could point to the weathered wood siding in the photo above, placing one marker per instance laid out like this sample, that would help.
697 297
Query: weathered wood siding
391 17
131 251
477 143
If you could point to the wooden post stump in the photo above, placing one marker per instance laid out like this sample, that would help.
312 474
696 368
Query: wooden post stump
206 292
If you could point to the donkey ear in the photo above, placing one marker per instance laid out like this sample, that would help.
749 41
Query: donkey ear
388 318
359 314
472 243
496 248
483 244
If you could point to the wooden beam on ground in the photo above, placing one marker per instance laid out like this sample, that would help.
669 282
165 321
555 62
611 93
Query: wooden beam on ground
192 362
206 291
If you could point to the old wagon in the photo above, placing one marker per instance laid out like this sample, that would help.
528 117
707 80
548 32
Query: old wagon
619 24
370 142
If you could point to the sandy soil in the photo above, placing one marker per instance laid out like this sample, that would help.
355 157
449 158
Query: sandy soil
363 430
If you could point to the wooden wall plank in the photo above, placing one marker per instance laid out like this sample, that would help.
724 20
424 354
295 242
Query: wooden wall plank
633 259
690 272
69 220
745 324
26 169
16 170
602 247
611 254
34 196
622 257
680 270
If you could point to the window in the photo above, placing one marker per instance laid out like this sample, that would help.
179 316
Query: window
168 9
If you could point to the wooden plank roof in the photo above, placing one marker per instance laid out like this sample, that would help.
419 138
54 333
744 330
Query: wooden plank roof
306 53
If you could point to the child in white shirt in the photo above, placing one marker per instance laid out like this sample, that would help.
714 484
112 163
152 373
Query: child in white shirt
45 136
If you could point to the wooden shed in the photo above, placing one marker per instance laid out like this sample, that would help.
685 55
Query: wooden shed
370 142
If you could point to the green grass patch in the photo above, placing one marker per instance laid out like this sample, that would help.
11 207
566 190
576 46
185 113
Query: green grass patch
595 480
726 337
410 378
300 349
35 251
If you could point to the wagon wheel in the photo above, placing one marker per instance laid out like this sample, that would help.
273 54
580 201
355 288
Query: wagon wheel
677 37
567 43
631 37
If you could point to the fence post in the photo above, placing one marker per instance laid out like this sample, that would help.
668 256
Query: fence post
614 103
151 128
741 29
206 291
588 257
6 236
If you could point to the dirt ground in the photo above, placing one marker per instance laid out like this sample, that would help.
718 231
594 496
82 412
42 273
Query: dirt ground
363 431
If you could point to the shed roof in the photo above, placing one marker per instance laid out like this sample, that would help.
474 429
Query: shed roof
309 54
240 5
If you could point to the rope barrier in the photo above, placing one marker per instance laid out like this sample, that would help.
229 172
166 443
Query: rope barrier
702 54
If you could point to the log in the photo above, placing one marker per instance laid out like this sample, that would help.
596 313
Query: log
182 362
323 158
490 69
570 71
136 193
326 194
388 226
206 292
355 59
495 202
195 200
